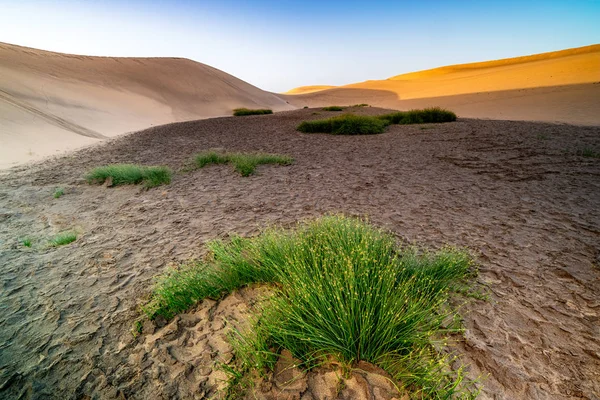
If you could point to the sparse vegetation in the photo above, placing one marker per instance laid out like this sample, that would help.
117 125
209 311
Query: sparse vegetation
305 107
361 105
424 116
588 152
346 124
241 112
333 108
58 193
130 174
63 238
26 242
244 163
343 291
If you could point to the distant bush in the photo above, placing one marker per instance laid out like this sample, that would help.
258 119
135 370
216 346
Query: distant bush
424 116
347 124
241 112
244 163
361 105
305 106
130 174
333 108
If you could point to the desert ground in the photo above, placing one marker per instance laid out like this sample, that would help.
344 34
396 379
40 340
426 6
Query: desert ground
520 195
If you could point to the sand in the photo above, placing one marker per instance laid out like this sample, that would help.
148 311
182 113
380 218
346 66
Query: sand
561 86
52 102
516 193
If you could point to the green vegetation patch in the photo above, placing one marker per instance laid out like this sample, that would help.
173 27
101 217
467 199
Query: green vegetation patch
59 192
424 116
342 291
346 124
241 112
588 152
130 174
26 242
333 108
63 238
244 163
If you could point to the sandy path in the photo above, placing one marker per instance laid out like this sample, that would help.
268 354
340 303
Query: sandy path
515 192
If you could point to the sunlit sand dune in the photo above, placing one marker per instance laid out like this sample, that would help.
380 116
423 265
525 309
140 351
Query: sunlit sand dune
51 102
309 89
561 86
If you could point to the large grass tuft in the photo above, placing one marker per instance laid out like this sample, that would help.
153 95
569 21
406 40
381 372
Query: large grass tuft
241 112
347 124
343 291
244 163
424 116
130 174
63 239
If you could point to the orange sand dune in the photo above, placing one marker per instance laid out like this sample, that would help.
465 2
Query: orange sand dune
51 102
560 86
309 89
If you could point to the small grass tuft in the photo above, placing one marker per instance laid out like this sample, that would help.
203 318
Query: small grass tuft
26 242
361 105
241 112
305 107
244 163
588 152
424 116
58 193
333 108
63 239
130 174
346 124
343 291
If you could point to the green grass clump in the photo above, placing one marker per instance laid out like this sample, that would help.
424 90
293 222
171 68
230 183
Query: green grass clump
26 242
347 124
130 174
588 152
343 291
424 116
333 108
240 112
58 193
63 238
244 163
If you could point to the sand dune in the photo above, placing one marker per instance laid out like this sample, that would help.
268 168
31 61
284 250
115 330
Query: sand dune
560 86
51 102
309 89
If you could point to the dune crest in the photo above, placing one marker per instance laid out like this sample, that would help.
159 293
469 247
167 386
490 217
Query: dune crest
309 89
52 102
562 86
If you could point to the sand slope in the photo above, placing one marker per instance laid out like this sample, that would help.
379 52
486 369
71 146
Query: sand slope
51 101
561 86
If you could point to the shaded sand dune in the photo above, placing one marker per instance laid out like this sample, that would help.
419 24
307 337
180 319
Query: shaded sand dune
562 86
519 194
51 101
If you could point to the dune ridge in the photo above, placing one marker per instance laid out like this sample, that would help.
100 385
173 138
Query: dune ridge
561 86
52 101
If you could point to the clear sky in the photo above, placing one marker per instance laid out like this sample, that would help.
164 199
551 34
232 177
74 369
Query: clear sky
279 44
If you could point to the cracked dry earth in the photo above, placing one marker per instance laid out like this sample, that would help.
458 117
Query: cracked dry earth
516 193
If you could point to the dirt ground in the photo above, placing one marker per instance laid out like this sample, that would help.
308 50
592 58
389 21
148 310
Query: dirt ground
516 193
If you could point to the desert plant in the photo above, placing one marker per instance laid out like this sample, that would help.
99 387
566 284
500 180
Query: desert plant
588 152
130 174
26 242
244 163
343 290
361 105
241 112
424 116
63 238
346 124
333 108
58 193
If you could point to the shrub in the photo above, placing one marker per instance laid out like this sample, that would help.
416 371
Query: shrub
361 105
333 108
130 174
244 163
588 152
240 112
347 124
26 242
424 116
63 238
343 292
58 193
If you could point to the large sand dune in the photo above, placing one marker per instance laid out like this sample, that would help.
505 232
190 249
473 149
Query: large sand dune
562 86
51 102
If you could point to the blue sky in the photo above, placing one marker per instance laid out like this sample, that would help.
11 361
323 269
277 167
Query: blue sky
278 45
